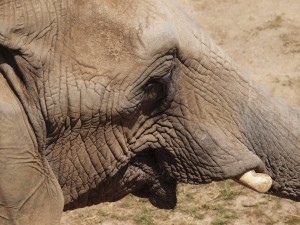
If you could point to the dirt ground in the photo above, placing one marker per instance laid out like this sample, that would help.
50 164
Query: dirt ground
263 37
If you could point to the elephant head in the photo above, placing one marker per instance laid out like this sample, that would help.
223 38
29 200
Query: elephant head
105 98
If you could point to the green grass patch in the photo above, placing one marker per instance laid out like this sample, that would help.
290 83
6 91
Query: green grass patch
219 222
143 218
226 193
230 216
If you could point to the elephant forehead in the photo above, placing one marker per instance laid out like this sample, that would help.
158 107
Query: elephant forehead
121 32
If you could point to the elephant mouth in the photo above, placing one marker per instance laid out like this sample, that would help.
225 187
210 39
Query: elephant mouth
160 188
160 195
156 185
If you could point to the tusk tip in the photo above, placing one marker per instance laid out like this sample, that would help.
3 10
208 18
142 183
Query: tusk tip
259 182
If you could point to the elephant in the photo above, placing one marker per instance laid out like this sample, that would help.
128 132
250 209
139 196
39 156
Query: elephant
102 98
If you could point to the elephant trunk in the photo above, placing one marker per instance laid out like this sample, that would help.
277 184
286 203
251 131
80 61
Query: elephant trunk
244 113
272 130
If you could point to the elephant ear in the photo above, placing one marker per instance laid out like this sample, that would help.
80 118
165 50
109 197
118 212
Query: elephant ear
27 31
31 38
29 191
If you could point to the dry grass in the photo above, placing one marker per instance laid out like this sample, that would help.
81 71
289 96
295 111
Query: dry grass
274 23
291 41
215 204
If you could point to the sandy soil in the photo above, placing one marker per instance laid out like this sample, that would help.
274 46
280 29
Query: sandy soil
263 37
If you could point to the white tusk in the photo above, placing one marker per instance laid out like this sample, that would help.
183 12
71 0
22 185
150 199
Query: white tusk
259 182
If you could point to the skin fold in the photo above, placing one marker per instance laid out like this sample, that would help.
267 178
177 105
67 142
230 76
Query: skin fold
102 98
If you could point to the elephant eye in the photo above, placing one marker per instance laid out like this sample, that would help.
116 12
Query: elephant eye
155 91
157 88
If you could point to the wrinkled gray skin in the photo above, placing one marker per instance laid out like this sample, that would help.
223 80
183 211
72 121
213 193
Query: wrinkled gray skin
101 98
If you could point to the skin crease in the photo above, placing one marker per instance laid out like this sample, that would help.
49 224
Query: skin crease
121 97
